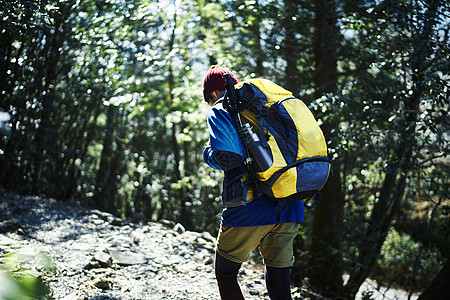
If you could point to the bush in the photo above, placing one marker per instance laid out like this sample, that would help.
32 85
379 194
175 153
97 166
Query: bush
20 276
405 263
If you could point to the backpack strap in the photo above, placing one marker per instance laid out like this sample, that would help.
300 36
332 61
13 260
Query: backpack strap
306 202
261 126
278 173
306 197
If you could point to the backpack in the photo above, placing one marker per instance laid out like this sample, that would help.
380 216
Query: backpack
291 136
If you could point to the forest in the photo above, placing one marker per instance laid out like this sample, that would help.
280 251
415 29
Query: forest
101 104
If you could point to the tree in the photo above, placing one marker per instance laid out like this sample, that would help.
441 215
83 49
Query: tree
325 266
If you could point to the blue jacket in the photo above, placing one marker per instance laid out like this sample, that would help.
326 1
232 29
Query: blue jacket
225 152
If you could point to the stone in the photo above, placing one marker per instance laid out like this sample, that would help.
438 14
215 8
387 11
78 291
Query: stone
207 236
139 217
102 283
167 223
127 258
116 221
71 296
5 241
179 228
103 259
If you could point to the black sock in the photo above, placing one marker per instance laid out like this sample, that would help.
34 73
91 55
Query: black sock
278 283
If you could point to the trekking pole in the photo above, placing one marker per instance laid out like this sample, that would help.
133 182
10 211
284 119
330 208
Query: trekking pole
232 103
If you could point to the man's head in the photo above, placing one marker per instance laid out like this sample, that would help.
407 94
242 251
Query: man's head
214 83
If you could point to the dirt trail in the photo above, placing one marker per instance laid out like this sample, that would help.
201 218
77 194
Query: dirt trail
98 256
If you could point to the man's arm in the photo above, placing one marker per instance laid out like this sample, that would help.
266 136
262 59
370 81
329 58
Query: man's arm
221 160
225 151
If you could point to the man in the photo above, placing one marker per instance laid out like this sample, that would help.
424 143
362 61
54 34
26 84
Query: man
247 221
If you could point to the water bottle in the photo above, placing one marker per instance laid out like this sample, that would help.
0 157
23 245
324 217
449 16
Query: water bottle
262 159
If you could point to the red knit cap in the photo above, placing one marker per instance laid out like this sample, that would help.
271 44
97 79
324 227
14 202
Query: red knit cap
214 80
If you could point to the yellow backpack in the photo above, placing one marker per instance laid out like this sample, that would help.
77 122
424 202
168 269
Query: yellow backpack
292 137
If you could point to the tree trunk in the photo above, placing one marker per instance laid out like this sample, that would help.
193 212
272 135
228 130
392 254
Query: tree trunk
5 52
439 287
175 147
255 28
105 186
325 265
290 47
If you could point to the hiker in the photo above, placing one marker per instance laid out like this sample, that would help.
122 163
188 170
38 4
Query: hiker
247 222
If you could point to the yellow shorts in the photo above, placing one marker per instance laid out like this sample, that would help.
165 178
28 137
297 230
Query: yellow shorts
275 243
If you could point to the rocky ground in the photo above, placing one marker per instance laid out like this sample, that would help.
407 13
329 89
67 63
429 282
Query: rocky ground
88 254
95 255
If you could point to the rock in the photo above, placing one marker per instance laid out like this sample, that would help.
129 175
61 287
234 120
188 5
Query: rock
127 258
5 241
167 223
98 222
103 215
9 226
207 236
72 296
179 228
91 265
116 221
107 217
103 259
139 217
102 283
208 261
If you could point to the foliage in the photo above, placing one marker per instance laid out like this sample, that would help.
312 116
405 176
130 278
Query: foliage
403 260
20 275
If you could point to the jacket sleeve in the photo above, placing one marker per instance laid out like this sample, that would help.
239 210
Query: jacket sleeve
225 150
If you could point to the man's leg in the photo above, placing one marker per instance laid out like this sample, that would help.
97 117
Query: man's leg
226 275
234 245
278 283
277 251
